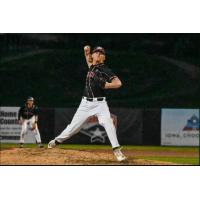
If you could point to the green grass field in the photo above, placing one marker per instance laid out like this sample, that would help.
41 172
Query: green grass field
177 155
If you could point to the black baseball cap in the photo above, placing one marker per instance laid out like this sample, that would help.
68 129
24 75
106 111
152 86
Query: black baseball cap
30 99
99 49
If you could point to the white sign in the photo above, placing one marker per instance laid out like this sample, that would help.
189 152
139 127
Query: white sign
9 127
180 127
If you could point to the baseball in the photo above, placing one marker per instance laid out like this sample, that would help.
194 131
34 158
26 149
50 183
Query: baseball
86 48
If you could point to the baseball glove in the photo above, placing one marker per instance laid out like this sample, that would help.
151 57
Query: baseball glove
34 125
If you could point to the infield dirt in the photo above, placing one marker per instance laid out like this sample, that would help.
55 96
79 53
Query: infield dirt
57 156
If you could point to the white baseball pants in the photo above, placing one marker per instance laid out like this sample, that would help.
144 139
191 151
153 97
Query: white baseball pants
26 126
85 110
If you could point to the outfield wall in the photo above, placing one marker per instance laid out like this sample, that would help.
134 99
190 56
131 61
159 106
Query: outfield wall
134 127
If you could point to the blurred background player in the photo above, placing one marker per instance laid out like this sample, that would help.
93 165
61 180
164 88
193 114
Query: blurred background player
28 118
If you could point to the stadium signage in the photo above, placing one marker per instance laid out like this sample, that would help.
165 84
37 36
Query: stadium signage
10 128
180 127
8 117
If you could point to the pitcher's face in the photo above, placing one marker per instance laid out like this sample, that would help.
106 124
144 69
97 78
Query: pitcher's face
29 104
102 58
96 56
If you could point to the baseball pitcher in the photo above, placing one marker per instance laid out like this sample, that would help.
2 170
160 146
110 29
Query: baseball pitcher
28 118
99 78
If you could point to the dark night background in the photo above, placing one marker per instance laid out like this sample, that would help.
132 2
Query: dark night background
157 70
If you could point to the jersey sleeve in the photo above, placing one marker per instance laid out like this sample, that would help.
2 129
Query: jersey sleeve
108 74
36 111
20 113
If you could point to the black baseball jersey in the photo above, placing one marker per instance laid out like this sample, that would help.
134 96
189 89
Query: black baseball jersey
27 113
92 86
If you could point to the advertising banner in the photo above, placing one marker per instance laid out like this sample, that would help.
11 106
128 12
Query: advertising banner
9 127
180 127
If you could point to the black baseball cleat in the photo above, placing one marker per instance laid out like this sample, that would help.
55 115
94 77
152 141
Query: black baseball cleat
40 146
21 145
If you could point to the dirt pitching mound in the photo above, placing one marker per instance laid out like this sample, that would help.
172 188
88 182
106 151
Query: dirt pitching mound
57 156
